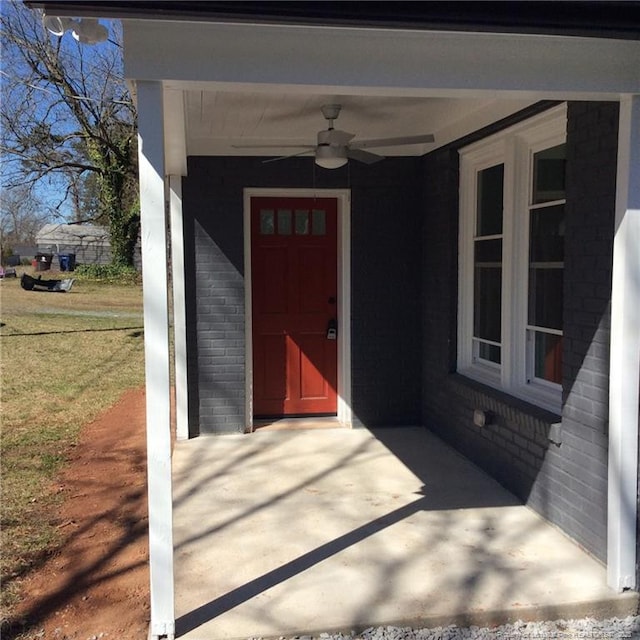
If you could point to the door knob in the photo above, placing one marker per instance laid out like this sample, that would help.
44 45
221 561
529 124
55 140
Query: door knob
332 329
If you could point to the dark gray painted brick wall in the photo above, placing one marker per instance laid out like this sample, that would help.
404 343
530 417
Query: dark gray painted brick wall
579 467
385 271
565 482
386 290
216 318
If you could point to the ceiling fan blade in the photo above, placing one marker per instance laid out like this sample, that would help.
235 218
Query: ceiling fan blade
339 138
363 156
293 155
392 142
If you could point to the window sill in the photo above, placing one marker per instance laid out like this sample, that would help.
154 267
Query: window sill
542 396
501 401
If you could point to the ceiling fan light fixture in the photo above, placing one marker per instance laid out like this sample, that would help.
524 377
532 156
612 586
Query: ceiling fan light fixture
90 31
329 157
84 30
57 25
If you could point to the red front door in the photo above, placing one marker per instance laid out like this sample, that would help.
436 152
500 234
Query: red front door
294 299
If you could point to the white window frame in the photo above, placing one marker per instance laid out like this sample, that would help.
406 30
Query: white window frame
514 147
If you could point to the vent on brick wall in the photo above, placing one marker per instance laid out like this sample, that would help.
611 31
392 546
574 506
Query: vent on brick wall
482 418
555 433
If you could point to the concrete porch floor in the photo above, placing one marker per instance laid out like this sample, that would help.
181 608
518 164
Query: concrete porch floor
299 532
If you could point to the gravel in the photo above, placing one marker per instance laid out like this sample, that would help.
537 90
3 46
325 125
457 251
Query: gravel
581 629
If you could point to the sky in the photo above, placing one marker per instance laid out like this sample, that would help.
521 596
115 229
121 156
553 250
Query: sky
39 97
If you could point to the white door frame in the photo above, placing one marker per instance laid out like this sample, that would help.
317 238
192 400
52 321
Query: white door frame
343 197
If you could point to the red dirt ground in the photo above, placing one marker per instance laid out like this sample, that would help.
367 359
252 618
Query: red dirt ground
97 585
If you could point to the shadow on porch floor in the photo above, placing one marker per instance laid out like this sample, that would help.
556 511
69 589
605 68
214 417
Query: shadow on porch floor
298 532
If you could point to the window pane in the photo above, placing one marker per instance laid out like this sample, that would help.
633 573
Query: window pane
487 303
548 357
545 297
546 234
318 223
267 225
488 252
549 174
489 352
489 203
284 222
302 222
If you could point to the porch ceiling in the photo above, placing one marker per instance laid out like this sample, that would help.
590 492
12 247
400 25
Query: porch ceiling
217 121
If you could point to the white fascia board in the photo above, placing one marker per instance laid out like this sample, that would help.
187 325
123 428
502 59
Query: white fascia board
382 59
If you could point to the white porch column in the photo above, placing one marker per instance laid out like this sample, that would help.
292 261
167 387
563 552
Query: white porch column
625 356
156 342
179 310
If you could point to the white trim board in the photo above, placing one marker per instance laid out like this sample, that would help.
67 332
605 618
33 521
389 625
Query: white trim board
179 307
343 197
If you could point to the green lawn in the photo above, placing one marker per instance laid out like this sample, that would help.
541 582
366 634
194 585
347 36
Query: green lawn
65 357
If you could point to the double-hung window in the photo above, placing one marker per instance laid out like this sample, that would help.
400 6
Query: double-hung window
512 208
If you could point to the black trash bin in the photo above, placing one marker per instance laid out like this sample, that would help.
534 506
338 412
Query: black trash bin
43 261
67 261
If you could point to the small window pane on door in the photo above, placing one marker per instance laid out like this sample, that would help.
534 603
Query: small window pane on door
284 222
267 222
302 222
318 223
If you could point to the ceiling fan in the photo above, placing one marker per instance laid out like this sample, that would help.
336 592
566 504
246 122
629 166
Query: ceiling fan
334 147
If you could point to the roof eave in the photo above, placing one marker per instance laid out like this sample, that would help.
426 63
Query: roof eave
614 19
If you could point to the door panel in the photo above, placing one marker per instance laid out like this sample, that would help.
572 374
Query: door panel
312 287
274 270
294 293
274 351
313 362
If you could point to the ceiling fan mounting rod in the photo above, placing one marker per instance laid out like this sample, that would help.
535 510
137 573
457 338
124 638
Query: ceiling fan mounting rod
331 112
